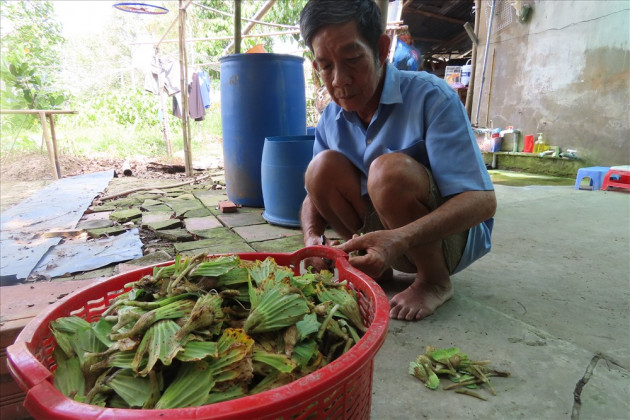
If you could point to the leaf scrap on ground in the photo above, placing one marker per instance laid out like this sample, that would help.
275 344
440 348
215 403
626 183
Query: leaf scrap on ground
451 363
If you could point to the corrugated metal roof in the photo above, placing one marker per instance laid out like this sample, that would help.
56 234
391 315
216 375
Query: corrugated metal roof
437 26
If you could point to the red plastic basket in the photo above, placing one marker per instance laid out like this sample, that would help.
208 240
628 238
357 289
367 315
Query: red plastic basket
341 389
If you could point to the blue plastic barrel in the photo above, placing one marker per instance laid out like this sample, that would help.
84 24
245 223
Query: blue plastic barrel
262 95
284 162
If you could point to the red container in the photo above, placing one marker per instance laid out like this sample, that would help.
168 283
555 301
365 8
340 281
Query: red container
341 389
528 145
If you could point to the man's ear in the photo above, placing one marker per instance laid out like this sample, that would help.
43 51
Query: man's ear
384 42
315 66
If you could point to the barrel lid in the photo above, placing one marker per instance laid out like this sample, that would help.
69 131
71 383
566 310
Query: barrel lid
260 57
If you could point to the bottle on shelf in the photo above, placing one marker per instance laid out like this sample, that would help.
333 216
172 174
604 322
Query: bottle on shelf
540 145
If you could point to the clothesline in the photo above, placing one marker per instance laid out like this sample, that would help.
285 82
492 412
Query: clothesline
260 22
222 38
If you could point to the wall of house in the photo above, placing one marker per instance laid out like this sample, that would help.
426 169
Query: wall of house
565 72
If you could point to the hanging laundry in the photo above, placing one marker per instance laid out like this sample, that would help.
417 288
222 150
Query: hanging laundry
204 87
177 105
195 103
163 73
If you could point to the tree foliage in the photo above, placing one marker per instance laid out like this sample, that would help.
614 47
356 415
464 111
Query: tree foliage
31 44
207 23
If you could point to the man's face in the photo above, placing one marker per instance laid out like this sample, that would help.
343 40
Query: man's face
348 67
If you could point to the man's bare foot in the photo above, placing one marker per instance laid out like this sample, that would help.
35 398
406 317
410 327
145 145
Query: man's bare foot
419 300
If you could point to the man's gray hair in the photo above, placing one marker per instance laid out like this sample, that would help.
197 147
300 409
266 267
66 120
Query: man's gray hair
319 13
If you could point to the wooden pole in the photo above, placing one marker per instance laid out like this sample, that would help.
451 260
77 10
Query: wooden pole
184 88
490 86
485 60
49 146
53 137
473 62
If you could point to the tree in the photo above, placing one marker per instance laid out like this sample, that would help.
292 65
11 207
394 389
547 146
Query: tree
31 45
207 23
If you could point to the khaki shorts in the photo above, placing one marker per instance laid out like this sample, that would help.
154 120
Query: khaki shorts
453 246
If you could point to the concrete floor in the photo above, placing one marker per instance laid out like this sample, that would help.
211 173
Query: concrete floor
550 304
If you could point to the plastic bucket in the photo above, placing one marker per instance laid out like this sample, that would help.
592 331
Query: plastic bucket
466 70
262 95
284 162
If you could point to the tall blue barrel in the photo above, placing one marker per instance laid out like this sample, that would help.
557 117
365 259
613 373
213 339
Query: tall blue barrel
284 162
262 95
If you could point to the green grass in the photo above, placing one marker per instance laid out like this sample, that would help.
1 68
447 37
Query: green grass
105 137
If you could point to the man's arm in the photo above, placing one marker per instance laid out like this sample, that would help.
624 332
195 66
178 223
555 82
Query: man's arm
457 214
313 224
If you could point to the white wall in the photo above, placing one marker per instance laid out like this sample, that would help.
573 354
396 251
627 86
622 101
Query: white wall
565 72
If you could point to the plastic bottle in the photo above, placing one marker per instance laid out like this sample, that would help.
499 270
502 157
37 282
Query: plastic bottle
539 146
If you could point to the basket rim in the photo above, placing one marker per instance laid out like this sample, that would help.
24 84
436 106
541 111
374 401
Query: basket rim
38 382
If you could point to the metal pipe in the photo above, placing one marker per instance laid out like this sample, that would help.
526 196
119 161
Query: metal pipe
473 69
485 61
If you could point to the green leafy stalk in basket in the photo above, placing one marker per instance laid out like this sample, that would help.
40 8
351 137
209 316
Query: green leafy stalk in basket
273 380
134 390
308 325
64 330
190 388
201 331
279 362
120 359
216 267
68 378
305 351
347 302
203 314
231 393
259 271
198 350
277 308
157 344
176 309
234 361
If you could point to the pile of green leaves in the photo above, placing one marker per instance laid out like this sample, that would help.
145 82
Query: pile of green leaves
205 330
451 363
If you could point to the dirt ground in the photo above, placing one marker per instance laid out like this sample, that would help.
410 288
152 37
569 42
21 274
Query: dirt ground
23 175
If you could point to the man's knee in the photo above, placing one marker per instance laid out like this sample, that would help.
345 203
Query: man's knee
325 162
393 174
328 169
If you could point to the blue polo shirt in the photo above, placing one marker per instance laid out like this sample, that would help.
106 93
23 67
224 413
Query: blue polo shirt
419 115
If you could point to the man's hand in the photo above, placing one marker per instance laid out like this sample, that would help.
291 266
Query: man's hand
379 250
319 264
